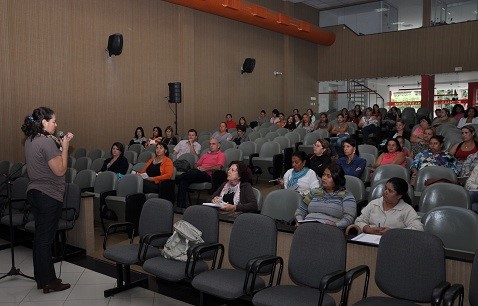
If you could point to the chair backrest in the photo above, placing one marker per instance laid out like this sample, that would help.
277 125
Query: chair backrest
281 204
322 133
408 115
82 163
96 153
301 132
227 145
370 158
5 167
443 194
19 189
433 172
457 227
389 171
85 179
131 156
248 148
310 138
404 252
70 175
283 141
145 157
203 138
282 131
366 148
451 140
313 241
80 152
259 142
205 219
153 149
263 131
232 154
17 170
136 147
273 128
269 149
105 181
97 164
191 158
72 199
266 125
423 111
442 128
376 190
129 184
71 161
294 137
271 135
356 186
138 167
156 217
245 243
253 135
258 195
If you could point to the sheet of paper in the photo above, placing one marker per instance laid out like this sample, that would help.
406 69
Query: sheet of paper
144 175
220 205
368 238
309 220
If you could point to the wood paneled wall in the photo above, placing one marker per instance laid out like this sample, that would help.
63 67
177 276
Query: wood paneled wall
421 51
53 54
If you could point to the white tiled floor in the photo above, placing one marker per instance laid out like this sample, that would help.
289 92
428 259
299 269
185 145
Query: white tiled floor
86 286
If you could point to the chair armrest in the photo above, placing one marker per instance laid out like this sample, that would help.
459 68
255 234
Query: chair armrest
251 157
438 292
113 229
327 280
297 144
88 189
353 229
455 291
103 196
146 242
255 266
195 253
277 166
350 276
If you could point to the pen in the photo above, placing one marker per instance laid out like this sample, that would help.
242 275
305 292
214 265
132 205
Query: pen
379 225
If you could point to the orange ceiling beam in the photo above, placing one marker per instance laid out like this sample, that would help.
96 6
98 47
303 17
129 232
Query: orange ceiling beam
262 17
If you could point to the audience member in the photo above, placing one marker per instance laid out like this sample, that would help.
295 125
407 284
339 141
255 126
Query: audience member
392 155
299 177
282 122
339 131
357 114
117 163
138 136
222 134
262 117
311 115
320 159
468 146
156 138
236 195
212 160
368 124
158 169
350 162
469 118
322 123
405 150
243 122
295 111
290 125
297 119
437 112
391 117
376 113
275 116
189 145
457 112
443 118
306 124
230 124
241 135
472 186
330 204
169 138
392 210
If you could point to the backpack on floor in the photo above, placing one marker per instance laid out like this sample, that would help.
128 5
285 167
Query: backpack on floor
184 236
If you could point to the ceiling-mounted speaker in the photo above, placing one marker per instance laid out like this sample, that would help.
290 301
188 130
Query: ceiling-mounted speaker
115 44
248 66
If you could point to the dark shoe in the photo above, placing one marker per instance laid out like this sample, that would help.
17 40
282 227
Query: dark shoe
55 286
41 287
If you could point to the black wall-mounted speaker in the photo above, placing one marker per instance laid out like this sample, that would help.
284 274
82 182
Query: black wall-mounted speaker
248 66
174 92
115 44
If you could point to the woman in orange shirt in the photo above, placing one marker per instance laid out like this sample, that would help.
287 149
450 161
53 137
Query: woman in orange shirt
158 169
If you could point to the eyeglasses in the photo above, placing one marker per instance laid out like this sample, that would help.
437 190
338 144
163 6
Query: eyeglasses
317 146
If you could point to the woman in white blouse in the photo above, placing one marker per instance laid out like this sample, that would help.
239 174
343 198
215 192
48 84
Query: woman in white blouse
299 177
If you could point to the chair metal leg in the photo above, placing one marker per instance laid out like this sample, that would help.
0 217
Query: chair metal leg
124 272
142 282
201 298
119 275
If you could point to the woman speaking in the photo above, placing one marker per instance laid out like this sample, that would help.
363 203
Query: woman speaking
47 161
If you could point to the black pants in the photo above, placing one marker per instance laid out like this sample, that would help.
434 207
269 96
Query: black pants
47 212
186 179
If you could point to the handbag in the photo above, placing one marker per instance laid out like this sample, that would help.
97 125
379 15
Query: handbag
185 236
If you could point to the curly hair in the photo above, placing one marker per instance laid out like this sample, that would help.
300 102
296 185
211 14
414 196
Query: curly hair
32 124
243 171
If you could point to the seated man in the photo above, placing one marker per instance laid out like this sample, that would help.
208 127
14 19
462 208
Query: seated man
241 131
189 145
214 159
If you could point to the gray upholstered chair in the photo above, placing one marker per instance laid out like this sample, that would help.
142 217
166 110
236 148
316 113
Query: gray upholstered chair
131 156
17 170
70 175
191 158
258 195
138 167
97 164
443 194
205 219
80 152
5 167
389 171
156 218
366 148
136 147
145 156
283 141
248 148
18 202
357 188
71 161
269 161
376 191
85 179
226 145
432 172
246 248
264 131
271 135
232 154
294 138
403 253
457 290
96 153
282 131
316 261
457 227
105 182
82 163
302 132
308 143
281 205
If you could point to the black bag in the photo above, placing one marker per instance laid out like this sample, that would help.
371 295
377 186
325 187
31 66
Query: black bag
182 165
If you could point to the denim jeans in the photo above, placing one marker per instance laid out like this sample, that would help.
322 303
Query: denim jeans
47 212
474 200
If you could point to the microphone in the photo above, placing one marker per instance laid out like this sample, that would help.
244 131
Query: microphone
61 134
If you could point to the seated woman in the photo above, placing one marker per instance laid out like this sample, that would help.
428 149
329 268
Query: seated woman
392 210
299 177
297 120
157 137
469 118
117 163
468 146
330 204
138 136
376 113
472 186
321 157
290 125
282 121
457 112
400 130
433 156
421 145
158 169
405 150
169 138
243 122
222 134
323 122
368 124
236 194
417 134
339 131
306 124
350 162
392 155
